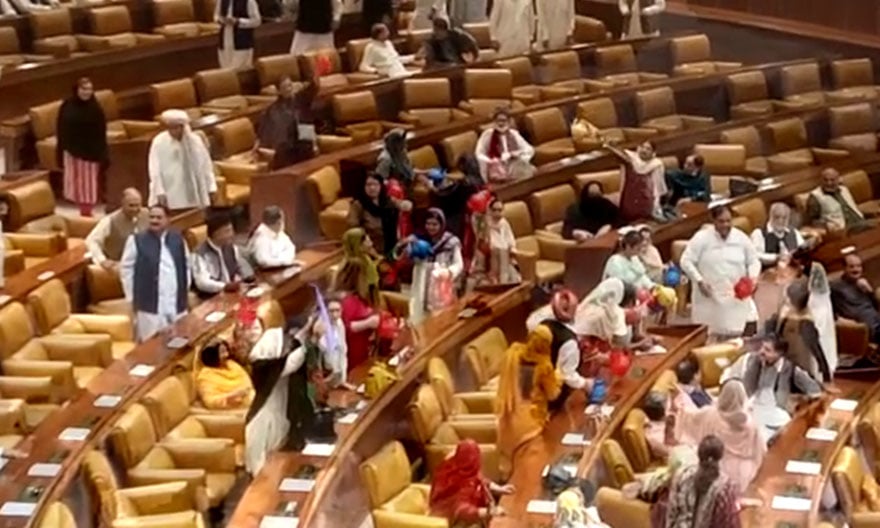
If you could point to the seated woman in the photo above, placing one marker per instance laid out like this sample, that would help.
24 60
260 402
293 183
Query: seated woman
730 420
380 56
594 215
650 255
357 281
494 261
705 496
329 334
502 152
377 213
269 246
643 183
527 385
459 491
653 487
222 383
778 240
626 264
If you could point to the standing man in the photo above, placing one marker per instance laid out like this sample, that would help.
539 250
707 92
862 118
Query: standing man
316 20
640 17
512 27
468 11
155 275
716 259
555 23
180 166
217 263
107 239
238 18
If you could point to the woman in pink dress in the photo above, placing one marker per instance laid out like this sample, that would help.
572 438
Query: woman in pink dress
358 281
643 183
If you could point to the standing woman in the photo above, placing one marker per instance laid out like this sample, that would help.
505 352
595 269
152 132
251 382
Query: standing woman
358 282
494 259
644 182
377 213
82 145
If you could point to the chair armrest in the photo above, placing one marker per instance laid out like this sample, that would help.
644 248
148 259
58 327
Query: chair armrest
825 155
169 497
329 143
586 144
557 92
391 125
135 128
81 350
409 119
13 262
467 107
164 520
56 50
33 57
171 32
727 65
208 28
390 519
144 476
118 326
214 455
484 432
651 76
478 402
595 85
60 372
554 248
37 244
29 389
146 38
92 43
458 115
227 426
12 421
783 106
80 226
528 263
691 121
638 134
235 172
361 77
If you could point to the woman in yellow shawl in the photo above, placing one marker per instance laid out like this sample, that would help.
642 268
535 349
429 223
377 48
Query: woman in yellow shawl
222 383
358 281
522 400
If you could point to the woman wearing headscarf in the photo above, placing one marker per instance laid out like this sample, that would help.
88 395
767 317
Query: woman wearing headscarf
377 213
730 420
653 488
643 184
358 282
593 215
650 255
528 383
626 264
447 263
461 494
494 261
704 496
502 152
572 511
82 145
221 382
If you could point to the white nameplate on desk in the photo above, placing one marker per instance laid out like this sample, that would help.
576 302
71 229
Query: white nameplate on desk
141 371
3 462
791 503
844 405
803 468
574 439
570 468
277 521
822 435
107 401
722 362
361 405
607 410
18 509
319 450
293 485
4 299
541 506
44 470
394 361
74 434
215 317
347 419
46 275
360 389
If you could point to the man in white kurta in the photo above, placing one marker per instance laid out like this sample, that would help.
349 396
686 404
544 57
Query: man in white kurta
316 20
180 167
467 11
168 287
228 55
512 26
269 246
555 23
715 259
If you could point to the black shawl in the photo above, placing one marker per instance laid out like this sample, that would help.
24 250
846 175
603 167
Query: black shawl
266 373
82 130
384 210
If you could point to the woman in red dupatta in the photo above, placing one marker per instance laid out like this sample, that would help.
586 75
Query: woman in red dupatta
461 494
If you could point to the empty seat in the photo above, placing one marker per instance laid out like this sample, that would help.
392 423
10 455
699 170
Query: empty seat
617 64
692 55
235 140
324 187
563 76
859 186
27 401
853 78
792 146
855 487
750 138
271 69
524 88
541 258
548 131
117 127
854 127
111 28
480 32
23 250
105 292
357 116
602 113
656 109
457 146
454 404
589 29
548 208
53 34
32 210
428 102
220 91
336 76
177 18
802 83
485 355
179 94
486 90
723 160
748 95
10 50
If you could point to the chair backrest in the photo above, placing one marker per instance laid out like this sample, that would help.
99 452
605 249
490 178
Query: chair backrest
748 136
755 210
168 12
601 112
308 65
635 444
9 43
713 359
426 93
722 159
235 136
15 329
29 202
852 119
546 125
848 475
618 467
486 352
44 119
788 134
57 515
168 404
424 158
324 186
51 23
179 93
102 481
616 59
454 147
354 107
480 32
216 83
271 69
659 102
561 66
354 50
746 87
443 383
425 413
133 435
110 20
848 73
520 219
488 84
50 304
801 78
549 205
859 186
693 48
610 180
520 69
386 473
109 104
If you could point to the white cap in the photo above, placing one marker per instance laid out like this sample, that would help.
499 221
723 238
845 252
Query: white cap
175 117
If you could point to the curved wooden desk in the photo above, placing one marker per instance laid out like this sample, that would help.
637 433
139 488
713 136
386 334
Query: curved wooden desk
338 498
44 444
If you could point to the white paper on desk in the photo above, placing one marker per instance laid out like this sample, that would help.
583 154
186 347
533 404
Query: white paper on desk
844 405
541 506
591 409
394 361
607 410
347 419
3 462
361 405
141 371
722 362
791 503
46 275
293 485
107 401
4 299
44 470
215 317
74 434
18 509
803 468
306 132
573 439
87 255
822 435
319 450
277 521
654 350
360 389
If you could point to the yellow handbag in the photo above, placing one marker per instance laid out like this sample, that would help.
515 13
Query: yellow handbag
379 378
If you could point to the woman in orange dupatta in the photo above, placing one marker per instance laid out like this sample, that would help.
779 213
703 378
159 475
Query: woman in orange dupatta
222 383
522 400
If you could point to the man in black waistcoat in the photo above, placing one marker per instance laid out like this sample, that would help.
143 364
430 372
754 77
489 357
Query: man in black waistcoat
316 20
777 240
565 352
237 18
